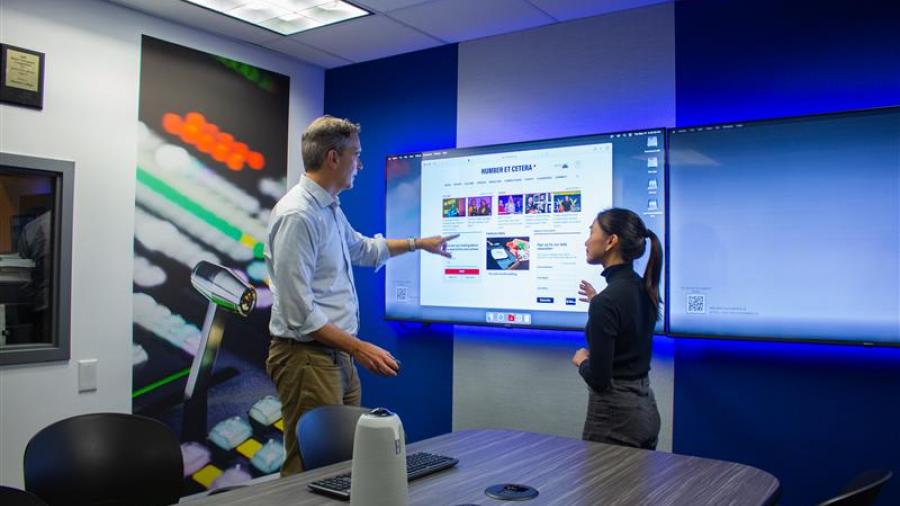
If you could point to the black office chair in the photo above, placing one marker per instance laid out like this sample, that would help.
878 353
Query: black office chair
107 459
862 490
14 497
325 434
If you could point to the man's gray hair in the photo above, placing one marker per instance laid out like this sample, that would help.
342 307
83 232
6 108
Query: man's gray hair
323 135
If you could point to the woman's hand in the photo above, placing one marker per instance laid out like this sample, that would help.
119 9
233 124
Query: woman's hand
586 290
580 356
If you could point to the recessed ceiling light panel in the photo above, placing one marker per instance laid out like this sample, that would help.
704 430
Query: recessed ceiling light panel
291 24
219 5
258 11
296 5
285 17
334 11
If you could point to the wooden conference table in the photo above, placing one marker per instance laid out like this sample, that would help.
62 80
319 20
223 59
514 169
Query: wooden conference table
565 471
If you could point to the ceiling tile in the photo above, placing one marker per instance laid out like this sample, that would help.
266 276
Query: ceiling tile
565 10
387 5
407 25
306 53
459 20
367 38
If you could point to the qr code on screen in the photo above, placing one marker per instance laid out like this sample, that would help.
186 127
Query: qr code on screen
696 303
401 293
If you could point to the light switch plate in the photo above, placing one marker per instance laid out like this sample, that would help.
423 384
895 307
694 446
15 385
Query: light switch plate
87 375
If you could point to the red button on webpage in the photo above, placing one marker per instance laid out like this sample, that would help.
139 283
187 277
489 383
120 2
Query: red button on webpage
461 271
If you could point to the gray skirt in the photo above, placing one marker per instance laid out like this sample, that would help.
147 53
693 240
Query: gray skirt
625 414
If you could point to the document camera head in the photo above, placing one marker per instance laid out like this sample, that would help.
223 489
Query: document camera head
222 287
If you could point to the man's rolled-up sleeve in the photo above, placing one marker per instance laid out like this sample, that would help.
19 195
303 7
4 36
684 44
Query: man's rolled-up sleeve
294 244
366 251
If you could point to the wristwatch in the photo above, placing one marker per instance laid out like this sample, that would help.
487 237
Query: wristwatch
412 243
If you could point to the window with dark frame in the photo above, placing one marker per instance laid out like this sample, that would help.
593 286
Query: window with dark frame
35 258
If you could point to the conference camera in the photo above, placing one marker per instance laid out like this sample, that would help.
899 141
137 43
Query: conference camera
222 287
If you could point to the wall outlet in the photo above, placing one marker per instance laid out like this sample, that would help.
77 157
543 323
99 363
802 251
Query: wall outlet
87 375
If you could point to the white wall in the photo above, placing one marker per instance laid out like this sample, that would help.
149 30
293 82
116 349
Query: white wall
90 116
528 382
602 74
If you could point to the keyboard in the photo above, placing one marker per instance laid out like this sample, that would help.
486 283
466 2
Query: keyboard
417 465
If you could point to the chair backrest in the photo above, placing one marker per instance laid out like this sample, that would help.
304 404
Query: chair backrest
325 434
14 497
105 458
862 490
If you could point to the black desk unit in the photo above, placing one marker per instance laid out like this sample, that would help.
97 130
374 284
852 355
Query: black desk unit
565 471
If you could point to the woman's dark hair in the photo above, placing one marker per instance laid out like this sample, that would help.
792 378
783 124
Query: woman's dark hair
632 232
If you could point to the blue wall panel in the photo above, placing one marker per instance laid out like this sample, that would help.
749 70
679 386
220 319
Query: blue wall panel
744 60
813 415
404 103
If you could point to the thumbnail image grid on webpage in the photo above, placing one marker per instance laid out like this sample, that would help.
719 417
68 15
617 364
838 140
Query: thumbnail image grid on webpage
522 219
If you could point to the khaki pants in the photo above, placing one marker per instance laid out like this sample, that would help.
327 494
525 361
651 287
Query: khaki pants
307 376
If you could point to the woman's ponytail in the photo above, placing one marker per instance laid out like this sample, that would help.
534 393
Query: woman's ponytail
654 268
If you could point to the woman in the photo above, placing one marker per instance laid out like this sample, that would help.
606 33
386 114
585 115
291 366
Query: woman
621 319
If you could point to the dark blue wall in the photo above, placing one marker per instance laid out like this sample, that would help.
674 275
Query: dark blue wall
405 103
743 60
813 415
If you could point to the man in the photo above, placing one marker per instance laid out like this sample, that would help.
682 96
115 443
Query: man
35 243
315 315
453 211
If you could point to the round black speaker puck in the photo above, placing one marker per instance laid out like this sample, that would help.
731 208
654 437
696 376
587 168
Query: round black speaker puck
511 492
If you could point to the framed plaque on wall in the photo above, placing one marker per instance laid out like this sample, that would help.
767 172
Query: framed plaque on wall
21 76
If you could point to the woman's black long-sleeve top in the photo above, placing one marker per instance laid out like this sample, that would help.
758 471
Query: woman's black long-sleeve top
619 331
